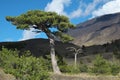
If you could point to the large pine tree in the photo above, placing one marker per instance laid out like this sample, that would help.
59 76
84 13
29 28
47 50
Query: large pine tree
42 21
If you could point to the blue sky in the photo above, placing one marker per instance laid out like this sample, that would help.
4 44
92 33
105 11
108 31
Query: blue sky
77 10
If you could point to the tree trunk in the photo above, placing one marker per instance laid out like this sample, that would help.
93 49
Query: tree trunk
53 58
75 60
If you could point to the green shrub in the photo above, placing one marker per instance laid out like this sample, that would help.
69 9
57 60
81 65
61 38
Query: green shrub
83 68
100 66
65 68
115 69
69 69
8 57
25 67
116 52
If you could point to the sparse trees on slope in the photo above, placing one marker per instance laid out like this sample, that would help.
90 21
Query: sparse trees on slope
42 22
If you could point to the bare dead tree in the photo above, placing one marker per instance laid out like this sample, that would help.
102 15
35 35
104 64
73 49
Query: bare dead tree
76 52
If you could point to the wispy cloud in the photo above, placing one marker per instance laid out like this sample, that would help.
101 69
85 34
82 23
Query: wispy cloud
86 9
75 14
58 6
110 7
28 34
91 7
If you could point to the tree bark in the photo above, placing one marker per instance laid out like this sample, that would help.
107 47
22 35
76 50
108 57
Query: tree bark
56 69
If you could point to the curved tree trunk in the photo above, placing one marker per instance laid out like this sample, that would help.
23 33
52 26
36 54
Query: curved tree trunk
53 58
56 69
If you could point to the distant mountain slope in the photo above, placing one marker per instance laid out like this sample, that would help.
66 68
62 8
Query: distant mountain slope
38 47
98 30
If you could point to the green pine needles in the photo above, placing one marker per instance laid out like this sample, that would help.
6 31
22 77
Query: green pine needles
43 21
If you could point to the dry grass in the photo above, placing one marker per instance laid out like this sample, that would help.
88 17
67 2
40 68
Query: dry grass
83 76
4 76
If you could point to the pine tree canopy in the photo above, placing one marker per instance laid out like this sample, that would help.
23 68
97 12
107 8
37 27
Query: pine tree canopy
42 21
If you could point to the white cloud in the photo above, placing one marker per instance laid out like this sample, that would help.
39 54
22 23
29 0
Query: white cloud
58 6
85 9
75 14
108 8
28 34
91 6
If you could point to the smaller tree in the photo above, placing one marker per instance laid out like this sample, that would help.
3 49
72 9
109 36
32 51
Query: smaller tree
76 52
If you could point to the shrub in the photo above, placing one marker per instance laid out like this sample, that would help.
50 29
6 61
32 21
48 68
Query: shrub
100 66
115 69
83 68
8 57
116 52
65 68
25 67
69 69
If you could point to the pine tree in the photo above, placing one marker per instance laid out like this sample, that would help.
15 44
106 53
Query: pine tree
42 21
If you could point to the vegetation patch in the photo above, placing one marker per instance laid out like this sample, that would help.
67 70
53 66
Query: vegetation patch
25 67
